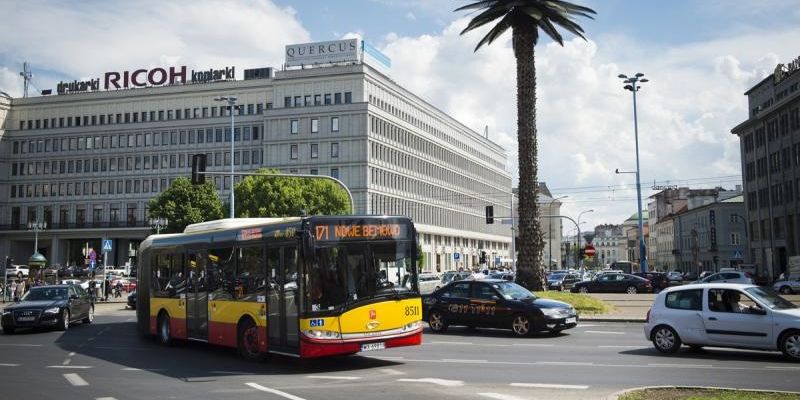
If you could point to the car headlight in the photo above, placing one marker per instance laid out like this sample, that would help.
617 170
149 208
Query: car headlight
54 310
552 312
6 312
321 334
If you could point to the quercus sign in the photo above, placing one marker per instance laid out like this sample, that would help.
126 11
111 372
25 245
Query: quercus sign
143 77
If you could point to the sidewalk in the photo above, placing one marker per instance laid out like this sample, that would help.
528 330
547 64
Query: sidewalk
633 307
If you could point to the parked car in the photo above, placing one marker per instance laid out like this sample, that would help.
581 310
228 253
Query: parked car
121 271
658 280
20 271
675 276
55 306
452 276
495 303
723 315
788 286
428 282
562 281
506 276
614 283
690 276
727 277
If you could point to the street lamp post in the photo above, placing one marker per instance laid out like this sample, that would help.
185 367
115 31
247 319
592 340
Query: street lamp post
632 84
158 224
232 107
580 259
37 259
550 232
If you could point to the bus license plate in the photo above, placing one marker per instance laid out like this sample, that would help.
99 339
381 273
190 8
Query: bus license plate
373 346
570 320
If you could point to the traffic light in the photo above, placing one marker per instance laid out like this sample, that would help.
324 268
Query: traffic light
198 169
489 214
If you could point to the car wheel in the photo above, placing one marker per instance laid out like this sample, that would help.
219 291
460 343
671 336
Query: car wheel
786 290
584 289
631 290
8 330
666 340
790 345
64 323
89 317
164 334
521 325
247 344
436 321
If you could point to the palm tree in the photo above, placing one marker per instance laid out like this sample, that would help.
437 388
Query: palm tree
525 18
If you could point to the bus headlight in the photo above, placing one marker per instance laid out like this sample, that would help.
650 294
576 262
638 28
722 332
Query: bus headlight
314 334
412 326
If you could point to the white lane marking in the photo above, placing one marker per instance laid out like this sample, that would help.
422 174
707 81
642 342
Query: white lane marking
106 398
67 361
230 373
790 368
459 343
20 344
142 369
499 396
75 380
435 381
619 347
386 357
72 353
456 360
90 339
8 365
273 391
71 366
534 344
682 365
346 378
562 363
389 371
605 332
550 386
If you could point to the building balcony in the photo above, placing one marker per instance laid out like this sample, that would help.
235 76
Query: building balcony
80 225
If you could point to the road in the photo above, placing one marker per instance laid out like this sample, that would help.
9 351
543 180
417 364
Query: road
107 360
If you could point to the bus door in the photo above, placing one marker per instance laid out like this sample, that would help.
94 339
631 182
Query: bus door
282 297
197 296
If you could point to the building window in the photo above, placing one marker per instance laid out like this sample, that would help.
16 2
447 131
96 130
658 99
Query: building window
293 152
314 150
335 173
334 124
735 239
337 98
327 99
294 126
334 150
314 125
348 97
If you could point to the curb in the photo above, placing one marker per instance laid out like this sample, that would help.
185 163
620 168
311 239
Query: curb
617 395
594 319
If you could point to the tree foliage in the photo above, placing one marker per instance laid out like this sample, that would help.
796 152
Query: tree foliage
525 18
183 204
263 195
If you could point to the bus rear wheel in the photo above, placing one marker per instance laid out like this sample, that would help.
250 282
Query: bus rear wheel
248 341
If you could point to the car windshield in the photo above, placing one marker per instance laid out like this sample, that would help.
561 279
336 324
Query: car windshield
512 291
346 273
40 294
556 277
770 298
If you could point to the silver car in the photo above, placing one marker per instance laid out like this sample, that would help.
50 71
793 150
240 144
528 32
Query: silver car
428 282
727 277
788 286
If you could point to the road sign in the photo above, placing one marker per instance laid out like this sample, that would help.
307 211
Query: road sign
456 256
737 255
589 250
107 246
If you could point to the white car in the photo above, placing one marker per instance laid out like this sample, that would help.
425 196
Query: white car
20 271
788 286
723 315
428 282
727 277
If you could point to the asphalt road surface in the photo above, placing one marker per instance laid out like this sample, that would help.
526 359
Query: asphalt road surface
107 360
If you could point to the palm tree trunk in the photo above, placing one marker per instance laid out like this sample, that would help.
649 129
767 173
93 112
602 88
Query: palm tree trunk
530 238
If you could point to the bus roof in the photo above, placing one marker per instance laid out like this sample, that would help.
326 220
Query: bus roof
234 223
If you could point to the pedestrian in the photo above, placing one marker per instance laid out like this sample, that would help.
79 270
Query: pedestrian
20 289
92 291
107 287
118 289
12 294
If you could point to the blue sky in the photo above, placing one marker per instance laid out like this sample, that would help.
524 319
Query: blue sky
701 56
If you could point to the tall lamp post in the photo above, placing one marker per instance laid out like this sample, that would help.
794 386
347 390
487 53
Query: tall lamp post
550 232
158 224
37 260
632 84
232 107
580 259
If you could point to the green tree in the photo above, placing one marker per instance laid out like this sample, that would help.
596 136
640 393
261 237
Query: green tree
526 18
183 204
263 195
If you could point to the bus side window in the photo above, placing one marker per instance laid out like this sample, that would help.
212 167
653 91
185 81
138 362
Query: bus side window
250 279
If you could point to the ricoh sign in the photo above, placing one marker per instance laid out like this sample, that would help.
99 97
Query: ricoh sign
322 52
146 77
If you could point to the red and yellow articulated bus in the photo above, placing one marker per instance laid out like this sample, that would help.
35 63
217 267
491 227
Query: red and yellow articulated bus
305 286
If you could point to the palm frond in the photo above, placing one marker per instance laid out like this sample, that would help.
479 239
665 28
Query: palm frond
477 5
498 30
489 15
550 29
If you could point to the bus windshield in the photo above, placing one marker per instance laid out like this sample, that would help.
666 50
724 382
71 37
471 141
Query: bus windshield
345 273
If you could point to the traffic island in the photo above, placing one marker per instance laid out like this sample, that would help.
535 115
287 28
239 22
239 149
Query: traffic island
584 304
701 393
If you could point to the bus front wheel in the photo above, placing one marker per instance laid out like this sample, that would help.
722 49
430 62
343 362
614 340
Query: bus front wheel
248 341
164 330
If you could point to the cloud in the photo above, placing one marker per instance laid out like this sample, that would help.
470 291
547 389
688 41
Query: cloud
10 82
585 118
75 40
410 16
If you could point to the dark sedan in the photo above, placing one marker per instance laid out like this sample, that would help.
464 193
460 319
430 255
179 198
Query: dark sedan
614 283
658 280
55 306
562 281
496 303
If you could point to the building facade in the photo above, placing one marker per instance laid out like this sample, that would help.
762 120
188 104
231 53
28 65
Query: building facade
609 243
769 142
87 163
